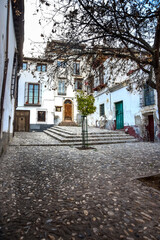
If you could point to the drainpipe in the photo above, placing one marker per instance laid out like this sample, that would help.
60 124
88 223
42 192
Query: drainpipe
5 66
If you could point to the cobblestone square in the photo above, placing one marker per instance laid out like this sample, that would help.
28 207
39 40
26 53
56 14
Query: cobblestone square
62 193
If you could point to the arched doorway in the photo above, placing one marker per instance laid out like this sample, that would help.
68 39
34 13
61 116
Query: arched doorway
68 110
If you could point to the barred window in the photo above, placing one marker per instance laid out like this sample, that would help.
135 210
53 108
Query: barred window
101 108
148 96
14 76
41 116
76 68
61 88
78 84
101 75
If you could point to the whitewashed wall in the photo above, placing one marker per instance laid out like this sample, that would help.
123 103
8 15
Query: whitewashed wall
9 103
50 98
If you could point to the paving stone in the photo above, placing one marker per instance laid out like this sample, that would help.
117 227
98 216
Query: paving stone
60 192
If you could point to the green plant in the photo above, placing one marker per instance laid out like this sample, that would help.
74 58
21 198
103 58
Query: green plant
85 103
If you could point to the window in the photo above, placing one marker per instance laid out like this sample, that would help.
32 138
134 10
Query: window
148 96
41 67
24 67
90 85
61 64
58 109
14 76
61 88
33 93
78 84
76 68
101 75
101 108
41 116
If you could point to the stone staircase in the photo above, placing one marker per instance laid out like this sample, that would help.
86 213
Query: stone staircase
72 136
67 123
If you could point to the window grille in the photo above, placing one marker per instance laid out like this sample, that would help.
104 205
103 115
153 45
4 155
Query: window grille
41 116
61 88
14 76
148 96
102 112
101 75
78 84
76 68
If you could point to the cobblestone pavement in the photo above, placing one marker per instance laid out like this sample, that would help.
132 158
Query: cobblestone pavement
62 193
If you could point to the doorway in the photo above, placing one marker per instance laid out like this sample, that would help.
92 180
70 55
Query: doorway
150 128
119 115
22 121
68 110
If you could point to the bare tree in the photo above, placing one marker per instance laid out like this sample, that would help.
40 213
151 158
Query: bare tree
122 29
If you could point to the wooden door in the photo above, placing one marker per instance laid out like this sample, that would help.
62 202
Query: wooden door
119 115
21 124
68 110
22 119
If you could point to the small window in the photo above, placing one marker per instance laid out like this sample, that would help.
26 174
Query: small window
61 88
101 75
41 116
61 64
78 84
58 109
24 67
102 113
76 68
41 67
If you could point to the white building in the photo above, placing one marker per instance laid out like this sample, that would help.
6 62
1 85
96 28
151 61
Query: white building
47 94
11 44
134 111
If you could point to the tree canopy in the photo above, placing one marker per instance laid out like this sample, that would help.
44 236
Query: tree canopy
116 28
85 103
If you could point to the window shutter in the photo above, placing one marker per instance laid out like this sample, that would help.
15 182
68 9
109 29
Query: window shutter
40 93
26 94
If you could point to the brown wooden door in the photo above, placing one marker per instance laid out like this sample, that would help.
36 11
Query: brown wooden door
68 110
21 123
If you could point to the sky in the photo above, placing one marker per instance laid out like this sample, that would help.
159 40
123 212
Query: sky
33 42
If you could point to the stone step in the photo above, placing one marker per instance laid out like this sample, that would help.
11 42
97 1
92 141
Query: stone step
73 136
67 123
90 142
62 131
90 136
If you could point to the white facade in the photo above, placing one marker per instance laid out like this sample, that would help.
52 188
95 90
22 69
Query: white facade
54 94
10 54
117 108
